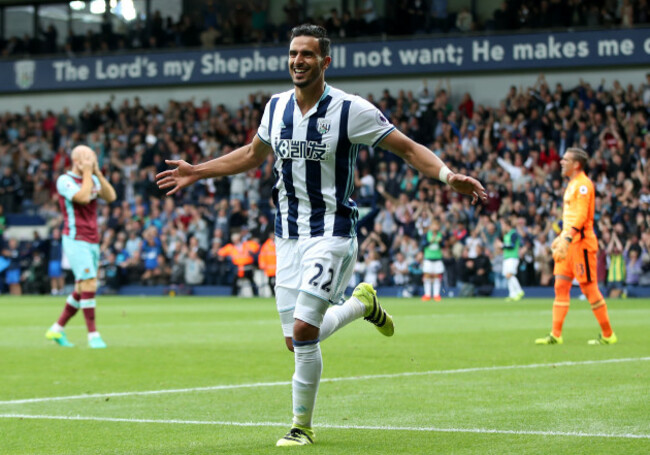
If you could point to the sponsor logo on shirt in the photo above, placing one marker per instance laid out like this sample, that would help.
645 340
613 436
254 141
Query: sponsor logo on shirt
305 150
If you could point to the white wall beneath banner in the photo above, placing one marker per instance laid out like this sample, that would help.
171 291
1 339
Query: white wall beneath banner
488 89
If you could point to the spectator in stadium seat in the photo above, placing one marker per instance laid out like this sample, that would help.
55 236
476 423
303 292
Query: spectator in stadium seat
55 255
194 269
32 277
400 273
237 218
502 17
372 267
9 185
464 273
243 255
418 15
482 276
633 263
12 253
267 260
438 19
112 274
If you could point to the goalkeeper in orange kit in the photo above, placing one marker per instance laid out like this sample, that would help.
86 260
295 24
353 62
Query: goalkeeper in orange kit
574 251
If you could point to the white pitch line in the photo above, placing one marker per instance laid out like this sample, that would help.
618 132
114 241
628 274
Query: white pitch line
350 378
336 427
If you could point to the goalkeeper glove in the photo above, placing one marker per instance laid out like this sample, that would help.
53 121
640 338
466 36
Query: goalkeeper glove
560 247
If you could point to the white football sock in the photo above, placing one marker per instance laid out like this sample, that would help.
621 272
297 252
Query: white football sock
338 316
306 378
427 287
512 286
56 327
436 286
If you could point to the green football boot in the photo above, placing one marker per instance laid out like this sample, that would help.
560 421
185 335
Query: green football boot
604 340
549 339
96 342
59 338
297 436
374 312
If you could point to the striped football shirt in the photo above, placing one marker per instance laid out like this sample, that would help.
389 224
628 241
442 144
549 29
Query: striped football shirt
315 158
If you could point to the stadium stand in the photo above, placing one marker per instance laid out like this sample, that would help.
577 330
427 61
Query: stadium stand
233 22
151 243
514 148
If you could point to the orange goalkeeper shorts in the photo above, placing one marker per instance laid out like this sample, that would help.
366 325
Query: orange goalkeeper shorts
580 264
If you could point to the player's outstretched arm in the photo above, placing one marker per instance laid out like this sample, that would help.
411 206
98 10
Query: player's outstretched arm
425 161
240 160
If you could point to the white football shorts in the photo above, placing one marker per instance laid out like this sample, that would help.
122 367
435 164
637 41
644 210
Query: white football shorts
510 266
433 267
320 266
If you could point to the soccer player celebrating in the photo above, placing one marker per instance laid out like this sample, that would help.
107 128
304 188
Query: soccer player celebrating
78 191
314 131
574 251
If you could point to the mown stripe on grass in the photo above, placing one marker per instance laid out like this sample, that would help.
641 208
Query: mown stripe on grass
341 379
335 427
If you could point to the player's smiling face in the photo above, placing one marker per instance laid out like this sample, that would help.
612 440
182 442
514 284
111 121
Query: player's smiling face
306 65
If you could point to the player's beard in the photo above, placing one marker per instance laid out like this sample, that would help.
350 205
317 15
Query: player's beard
310 79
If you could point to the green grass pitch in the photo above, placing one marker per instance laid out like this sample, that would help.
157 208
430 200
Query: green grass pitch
198 375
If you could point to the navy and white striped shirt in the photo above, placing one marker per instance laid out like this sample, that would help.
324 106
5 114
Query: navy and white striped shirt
315 158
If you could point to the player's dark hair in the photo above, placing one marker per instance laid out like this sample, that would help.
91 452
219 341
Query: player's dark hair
317 32
579 155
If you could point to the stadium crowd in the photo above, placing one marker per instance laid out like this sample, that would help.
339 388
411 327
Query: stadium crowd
236 22
513 148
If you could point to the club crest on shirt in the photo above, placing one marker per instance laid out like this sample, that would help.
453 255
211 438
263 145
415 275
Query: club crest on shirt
583 189
323 125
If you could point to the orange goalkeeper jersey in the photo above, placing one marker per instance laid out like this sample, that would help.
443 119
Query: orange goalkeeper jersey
578 211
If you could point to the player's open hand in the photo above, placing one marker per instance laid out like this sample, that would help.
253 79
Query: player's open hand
88 163
561 250
176 179
464 184
556 242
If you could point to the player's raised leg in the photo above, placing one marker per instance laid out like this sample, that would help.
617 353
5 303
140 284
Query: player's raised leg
363 303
